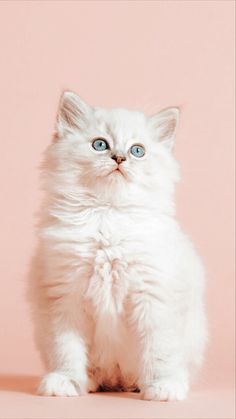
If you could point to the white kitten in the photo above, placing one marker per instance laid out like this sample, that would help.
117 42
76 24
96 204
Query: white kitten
116 286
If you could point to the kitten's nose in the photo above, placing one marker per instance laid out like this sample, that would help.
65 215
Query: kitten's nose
118 159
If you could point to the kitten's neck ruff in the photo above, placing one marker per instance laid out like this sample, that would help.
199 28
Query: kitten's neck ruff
131 200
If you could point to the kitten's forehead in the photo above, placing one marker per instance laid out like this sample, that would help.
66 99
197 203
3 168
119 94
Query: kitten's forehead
122 124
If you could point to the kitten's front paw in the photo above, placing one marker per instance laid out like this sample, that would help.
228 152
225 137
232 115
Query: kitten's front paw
56 384
166 389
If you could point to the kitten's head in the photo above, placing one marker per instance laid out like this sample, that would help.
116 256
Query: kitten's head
116 148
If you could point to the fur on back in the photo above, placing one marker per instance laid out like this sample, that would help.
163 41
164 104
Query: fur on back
116 286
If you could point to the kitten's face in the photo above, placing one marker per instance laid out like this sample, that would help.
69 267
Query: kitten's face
114 147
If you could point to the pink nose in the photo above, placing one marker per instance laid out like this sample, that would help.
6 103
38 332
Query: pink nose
118 159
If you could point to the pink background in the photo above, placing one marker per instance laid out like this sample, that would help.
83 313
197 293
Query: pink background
145 55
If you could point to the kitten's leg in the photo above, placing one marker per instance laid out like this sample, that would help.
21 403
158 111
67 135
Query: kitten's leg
163 371
64 351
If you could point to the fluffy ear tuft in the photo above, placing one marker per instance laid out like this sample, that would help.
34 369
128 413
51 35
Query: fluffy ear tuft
164 123
72 114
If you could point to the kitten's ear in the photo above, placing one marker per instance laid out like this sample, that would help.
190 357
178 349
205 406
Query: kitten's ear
164 123
72 114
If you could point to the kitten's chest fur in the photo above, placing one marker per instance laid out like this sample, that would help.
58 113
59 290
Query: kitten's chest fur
112 248
112 253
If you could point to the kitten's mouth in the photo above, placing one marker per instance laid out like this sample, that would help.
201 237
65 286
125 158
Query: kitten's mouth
117 170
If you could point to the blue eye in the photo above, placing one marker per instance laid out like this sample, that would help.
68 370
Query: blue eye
100 144
137 150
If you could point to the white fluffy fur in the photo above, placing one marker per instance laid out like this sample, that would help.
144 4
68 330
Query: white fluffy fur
116 286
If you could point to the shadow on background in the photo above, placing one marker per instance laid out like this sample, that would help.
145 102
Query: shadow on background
19 383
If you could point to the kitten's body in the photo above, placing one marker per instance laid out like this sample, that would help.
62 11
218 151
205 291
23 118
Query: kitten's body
117 287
